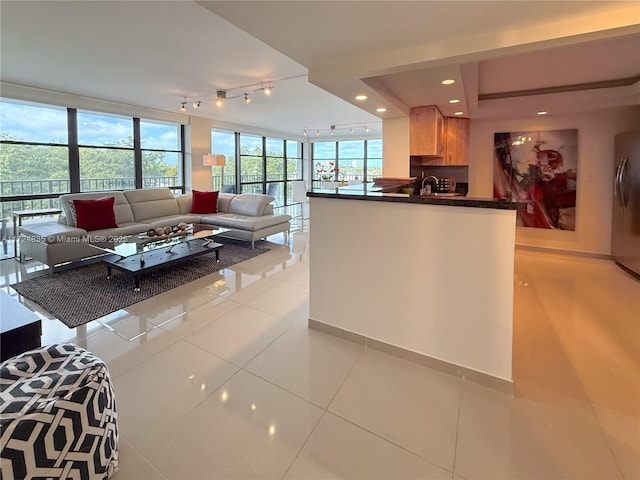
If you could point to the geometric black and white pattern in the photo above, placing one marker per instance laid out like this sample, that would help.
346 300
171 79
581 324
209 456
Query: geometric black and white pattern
58 417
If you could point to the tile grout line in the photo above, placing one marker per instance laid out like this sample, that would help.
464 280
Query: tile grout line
455 444
325 410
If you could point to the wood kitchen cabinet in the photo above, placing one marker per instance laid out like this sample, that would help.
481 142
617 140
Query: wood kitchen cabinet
426 131
456 144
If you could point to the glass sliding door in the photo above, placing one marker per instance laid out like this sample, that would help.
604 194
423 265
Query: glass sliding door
223 142
346 160
276 170
252 167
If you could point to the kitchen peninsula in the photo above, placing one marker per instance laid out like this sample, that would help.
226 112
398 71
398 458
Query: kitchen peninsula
426 277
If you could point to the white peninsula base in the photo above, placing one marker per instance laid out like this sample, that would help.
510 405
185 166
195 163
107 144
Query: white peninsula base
432 280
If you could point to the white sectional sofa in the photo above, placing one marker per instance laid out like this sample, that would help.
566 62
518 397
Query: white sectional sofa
249 216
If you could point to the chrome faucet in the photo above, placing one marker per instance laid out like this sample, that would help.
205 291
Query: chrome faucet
427 191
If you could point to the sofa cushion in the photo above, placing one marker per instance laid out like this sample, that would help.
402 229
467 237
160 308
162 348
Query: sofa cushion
251 204
244 222
184 203
173 220
121 206
152 203
204 202
224 201
95 214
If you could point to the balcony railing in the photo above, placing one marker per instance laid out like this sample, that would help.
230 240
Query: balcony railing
52 186
252 183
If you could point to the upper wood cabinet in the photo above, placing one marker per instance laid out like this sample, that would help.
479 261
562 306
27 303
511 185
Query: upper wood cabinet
426 131
456 145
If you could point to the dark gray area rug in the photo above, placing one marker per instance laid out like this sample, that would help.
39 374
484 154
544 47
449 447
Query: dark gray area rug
79 295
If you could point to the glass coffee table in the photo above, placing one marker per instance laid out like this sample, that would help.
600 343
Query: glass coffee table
140 254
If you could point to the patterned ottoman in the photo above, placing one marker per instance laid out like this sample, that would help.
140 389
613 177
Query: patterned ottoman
57 415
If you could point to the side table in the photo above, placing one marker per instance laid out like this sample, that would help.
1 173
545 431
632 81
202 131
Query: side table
20 329
18 215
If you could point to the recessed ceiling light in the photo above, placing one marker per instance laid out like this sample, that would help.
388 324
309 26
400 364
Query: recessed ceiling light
542 112
361 97
381 110
459 113
448 81
454 100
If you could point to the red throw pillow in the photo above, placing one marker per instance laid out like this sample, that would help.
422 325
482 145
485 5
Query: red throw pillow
204 202
95 214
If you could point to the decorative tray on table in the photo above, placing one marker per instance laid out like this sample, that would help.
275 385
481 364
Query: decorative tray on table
177 231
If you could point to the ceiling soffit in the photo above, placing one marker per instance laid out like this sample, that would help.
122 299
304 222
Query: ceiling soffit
398 75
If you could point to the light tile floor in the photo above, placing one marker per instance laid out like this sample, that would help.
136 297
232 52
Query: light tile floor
221 379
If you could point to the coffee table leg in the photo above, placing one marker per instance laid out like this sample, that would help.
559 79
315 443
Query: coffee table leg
217 255
108 272
137 279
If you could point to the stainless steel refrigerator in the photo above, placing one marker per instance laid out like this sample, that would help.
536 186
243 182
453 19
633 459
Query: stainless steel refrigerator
625 235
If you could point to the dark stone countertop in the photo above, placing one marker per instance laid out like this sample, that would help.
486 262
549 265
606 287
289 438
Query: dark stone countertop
361 192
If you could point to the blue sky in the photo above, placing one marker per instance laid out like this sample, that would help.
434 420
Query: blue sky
31 123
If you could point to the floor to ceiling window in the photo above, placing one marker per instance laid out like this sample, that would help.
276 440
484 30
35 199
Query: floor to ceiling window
258 164
48 150
346 160
105 144
223 142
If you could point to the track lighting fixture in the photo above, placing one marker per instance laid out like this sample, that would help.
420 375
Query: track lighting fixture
220 96
333 129
247 90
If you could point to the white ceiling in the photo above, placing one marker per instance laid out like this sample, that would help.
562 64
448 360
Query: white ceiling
155 53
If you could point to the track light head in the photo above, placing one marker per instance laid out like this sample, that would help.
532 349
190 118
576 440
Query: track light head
196 104
183 107
247 98
267 90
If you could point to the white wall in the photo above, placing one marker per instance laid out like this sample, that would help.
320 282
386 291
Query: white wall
407 275
596 132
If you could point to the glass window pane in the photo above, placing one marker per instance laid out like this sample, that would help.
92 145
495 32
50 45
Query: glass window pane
30 123
106 169
250 145
275 147
374 148
159 135
161 169
100 130
351 170
294 168
294 149
324 150
251 188
275 168
224 142
251 169
351 149
33 169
